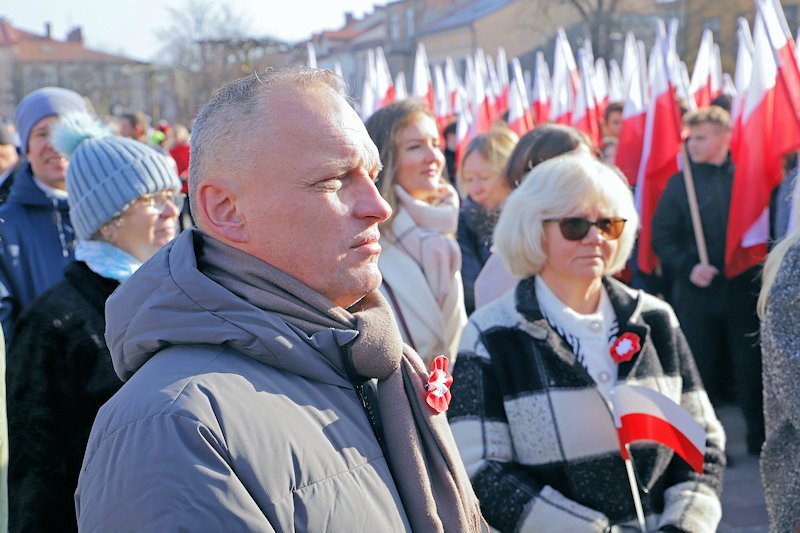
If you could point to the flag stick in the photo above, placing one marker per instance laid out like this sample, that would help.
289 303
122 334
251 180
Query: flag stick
637 502
697 224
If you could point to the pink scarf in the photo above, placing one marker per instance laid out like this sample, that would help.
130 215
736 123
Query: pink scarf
430 241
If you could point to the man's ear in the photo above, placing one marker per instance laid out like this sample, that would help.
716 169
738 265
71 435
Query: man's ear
219 211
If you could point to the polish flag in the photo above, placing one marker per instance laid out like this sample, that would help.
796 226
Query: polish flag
480 101
464 132
492 80
442 108
454 88
645 414
368 96
634 116
661 147
519 114
541 91
771 124
742 75
565 81
400 88
584 116
616 88
700 86
384 88
631 63
503 78
601 85
311 62
422 85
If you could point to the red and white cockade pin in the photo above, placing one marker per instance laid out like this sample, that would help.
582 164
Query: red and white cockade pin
438 386
625 347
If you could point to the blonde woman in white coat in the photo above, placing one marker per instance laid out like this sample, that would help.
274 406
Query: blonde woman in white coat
420 259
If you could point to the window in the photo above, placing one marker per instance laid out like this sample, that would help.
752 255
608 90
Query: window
410 22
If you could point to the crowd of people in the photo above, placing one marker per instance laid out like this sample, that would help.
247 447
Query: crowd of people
346 327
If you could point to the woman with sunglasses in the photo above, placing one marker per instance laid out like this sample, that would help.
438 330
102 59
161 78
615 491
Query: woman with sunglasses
532 382
123 198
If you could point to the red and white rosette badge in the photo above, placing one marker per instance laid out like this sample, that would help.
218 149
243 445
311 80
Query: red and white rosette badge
625 347
438 386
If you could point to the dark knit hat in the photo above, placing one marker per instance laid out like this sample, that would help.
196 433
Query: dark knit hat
107 173
42 103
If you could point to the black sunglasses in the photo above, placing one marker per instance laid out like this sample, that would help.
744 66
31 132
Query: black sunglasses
576 228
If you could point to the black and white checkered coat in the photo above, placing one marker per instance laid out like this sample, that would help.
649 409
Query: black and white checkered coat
538 438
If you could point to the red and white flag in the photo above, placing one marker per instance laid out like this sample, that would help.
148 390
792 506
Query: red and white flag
311 61
634 118
400 88
661 147
742 75
503 79
540 99
442 106
616 88
770 122
520 119
422 85
700 86
481 102
645 414
601 85
565 80
384 88
584 116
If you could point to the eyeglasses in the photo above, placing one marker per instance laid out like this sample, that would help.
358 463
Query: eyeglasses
576 228
158 201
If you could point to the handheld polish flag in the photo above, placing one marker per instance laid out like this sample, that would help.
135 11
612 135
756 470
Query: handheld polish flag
645 414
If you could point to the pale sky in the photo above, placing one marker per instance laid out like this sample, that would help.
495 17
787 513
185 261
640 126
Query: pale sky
127 26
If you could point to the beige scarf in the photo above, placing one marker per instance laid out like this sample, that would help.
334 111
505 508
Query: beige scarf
421 452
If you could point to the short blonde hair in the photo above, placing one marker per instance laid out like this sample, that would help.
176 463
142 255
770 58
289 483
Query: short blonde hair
558 188
495 146
708 115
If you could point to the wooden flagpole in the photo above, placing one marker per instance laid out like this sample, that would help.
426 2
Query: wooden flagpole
697 223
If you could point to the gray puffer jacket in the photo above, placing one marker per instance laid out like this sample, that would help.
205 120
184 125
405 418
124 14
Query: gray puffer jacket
231 420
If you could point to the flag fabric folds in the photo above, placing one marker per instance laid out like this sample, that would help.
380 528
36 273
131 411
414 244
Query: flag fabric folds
641 413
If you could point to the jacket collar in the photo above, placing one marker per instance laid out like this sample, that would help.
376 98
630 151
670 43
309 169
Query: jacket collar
627 307
25 192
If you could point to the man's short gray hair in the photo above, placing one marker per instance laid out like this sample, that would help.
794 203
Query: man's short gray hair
558 188
224 133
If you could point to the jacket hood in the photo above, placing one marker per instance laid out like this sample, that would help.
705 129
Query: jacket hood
24 191
168 302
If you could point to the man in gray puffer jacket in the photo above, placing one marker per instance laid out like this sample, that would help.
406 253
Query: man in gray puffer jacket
267 385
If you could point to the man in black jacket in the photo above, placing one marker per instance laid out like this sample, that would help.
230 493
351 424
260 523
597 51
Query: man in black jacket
717 314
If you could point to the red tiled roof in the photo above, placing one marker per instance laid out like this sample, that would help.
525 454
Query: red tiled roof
51 51
32 47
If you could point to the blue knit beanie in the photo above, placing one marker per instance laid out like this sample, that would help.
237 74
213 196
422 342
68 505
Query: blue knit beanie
106 173
43 103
